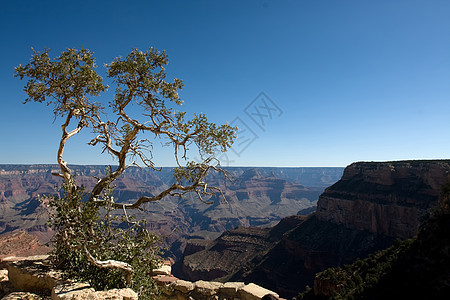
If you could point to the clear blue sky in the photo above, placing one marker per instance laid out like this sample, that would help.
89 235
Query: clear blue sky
347 80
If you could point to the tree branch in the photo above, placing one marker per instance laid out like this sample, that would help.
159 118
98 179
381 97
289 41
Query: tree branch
111 264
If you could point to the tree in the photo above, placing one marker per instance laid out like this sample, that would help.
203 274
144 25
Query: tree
144 109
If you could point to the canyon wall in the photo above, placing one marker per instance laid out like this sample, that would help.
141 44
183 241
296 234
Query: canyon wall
385 198
372 205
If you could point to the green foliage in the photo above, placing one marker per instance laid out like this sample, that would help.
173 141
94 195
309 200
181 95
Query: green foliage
144 102
83 224
64 81
353 281
90 235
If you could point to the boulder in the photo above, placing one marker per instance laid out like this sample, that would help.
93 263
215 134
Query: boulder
163 270
164 279
207 288
254 292
7 259
5 285
183 286
231 288
33 274
22 296
72 291
117 294
80 291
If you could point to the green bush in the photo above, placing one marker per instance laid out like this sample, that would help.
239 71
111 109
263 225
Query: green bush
84 227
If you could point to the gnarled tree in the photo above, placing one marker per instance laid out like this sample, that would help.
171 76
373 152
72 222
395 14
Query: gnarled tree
144 113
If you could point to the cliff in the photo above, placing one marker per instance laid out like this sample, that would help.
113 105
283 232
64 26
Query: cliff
372 205
417 268
224 256
291 263
385 198
21 244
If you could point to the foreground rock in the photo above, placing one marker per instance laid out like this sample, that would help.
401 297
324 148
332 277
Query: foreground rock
206 290
22 296
34 278
33 274
75 291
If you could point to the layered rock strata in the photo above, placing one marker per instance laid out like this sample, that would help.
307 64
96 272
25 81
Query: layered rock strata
222 257
385 198
255 197
371 206
20 243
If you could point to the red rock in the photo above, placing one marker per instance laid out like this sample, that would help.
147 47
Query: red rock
20 243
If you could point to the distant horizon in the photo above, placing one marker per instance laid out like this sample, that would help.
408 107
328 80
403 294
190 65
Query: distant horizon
144 167
240 166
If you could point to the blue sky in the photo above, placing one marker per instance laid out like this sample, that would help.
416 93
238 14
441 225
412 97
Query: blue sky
334 81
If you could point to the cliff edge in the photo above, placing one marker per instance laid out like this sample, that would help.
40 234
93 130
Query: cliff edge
367 210
385 198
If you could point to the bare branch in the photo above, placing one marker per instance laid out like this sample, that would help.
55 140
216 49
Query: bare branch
111 264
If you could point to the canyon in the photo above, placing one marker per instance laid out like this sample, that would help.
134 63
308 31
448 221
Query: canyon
367 210
254 197
278 226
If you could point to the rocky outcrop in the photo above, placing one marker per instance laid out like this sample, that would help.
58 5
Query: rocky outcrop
371 206
225 255
22 296
310 247
33 275
228 253
384 198
76 290
417 268
20 243
34 278
206 290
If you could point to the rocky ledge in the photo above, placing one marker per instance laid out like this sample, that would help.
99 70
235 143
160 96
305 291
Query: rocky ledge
181 289
371 206
385 198
33 278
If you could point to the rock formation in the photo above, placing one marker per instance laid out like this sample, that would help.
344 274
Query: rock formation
371 206
384 198
417 268
220 259
35 278
21 244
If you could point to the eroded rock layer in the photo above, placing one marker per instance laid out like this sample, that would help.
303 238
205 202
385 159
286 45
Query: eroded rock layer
385 198
371 206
